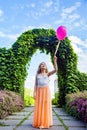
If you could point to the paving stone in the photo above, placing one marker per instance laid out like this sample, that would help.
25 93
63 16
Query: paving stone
67 117
30 117
77 128
60 113
27 122
10 122
21 113
57 122
54 117
29 127
28 109
7 127
15 117
74 123
31 114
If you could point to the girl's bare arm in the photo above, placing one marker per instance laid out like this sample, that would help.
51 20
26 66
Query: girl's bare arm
55 67
35 87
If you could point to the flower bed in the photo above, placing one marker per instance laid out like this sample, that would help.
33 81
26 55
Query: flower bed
76 105
9 102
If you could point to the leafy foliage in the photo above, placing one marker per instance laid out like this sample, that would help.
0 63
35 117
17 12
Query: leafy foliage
81 81
14 61
28 97
55 99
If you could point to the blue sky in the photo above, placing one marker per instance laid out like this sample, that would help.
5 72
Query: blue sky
17 16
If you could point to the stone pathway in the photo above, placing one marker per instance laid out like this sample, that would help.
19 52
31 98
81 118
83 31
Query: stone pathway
23 121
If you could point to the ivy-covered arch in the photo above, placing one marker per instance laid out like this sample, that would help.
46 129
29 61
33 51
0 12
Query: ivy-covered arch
17 59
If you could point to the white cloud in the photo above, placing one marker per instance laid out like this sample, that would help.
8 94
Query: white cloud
73 17
78 46
46 26
1 15
82 64
9 36
48 4
12 36
2 34
78 41
1 12
69 15
77 24
71 9
43 9
32 5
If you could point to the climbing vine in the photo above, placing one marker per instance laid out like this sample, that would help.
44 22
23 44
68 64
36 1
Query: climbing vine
14 61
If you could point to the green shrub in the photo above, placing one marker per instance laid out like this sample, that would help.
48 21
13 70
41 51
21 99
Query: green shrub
28 100
55 100
28 97
81 81
73 96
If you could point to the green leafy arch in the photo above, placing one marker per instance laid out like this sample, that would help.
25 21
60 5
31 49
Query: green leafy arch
17 58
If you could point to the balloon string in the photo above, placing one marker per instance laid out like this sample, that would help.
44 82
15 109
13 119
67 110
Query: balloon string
57 47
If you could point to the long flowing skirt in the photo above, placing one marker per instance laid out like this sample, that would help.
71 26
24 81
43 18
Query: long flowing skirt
43 108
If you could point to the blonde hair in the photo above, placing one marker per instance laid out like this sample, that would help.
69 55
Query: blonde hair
39 69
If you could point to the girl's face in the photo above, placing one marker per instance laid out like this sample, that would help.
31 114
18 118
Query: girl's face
43 66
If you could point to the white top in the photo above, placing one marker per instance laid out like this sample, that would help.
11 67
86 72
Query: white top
42 80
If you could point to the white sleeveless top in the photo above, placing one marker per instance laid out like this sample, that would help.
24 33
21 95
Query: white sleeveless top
42 80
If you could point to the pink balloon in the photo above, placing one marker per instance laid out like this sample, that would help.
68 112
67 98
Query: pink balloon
61 32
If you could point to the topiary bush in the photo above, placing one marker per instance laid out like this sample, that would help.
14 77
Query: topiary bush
10 102
15 61
81 81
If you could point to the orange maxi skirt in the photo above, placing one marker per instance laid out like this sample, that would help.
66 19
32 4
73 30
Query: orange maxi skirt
43 108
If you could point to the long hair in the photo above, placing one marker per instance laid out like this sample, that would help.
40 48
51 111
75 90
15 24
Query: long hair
39 69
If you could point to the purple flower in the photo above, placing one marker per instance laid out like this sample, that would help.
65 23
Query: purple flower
80 105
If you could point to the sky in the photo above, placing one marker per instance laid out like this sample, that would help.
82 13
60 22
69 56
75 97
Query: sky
18 16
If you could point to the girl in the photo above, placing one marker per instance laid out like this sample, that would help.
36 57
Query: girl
43 109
